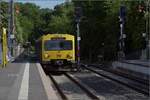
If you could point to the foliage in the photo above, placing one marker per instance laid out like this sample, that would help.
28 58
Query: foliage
62 19
99 26
4 14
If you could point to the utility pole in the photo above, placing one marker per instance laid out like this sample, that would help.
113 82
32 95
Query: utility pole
148 28
11 28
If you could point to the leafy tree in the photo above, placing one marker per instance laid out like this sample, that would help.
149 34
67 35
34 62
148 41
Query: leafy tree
95 29
99 26
135 26
26 20
61 20
4 14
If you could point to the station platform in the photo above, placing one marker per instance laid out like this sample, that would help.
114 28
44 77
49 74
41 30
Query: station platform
140 68
25 80
144 63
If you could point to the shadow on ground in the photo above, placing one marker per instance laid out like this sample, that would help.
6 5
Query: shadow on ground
24 57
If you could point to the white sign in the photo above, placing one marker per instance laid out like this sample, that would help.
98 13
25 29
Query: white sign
12 36
144 34
79 38
124 36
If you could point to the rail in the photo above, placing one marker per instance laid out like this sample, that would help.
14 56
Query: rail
63 96
137 88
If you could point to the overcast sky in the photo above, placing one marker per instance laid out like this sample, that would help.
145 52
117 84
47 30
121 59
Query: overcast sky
43 3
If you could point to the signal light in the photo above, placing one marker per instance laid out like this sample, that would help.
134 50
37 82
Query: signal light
46 55
141 8
78 13
69 56
122 11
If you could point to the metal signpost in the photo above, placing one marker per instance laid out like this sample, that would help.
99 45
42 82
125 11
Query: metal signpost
78 14
121 54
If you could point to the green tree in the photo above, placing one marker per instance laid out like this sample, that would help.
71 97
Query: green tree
99 26
62 19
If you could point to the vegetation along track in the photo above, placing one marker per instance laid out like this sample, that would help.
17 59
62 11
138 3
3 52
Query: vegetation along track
64 96
137 88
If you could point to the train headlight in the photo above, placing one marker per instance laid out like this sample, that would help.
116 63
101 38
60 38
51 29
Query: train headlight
69 56
46 55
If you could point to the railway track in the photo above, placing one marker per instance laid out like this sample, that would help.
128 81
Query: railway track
123 74
136 86
63 96
77 84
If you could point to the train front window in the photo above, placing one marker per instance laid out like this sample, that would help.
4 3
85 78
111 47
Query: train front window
57 45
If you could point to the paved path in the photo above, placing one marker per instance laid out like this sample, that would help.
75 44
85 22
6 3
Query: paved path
140 66
25 81
144 63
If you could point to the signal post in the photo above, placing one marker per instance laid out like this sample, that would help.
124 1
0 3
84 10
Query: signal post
121 54
78 14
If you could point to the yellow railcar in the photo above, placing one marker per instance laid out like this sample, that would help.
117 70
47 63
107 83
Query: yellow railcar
57 51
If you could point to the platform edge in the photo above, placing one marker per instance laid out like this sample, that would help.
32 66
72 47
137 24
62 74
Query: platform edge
50 92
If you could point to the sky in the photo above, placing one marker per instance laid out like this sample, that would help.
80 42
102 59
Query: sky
43 3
